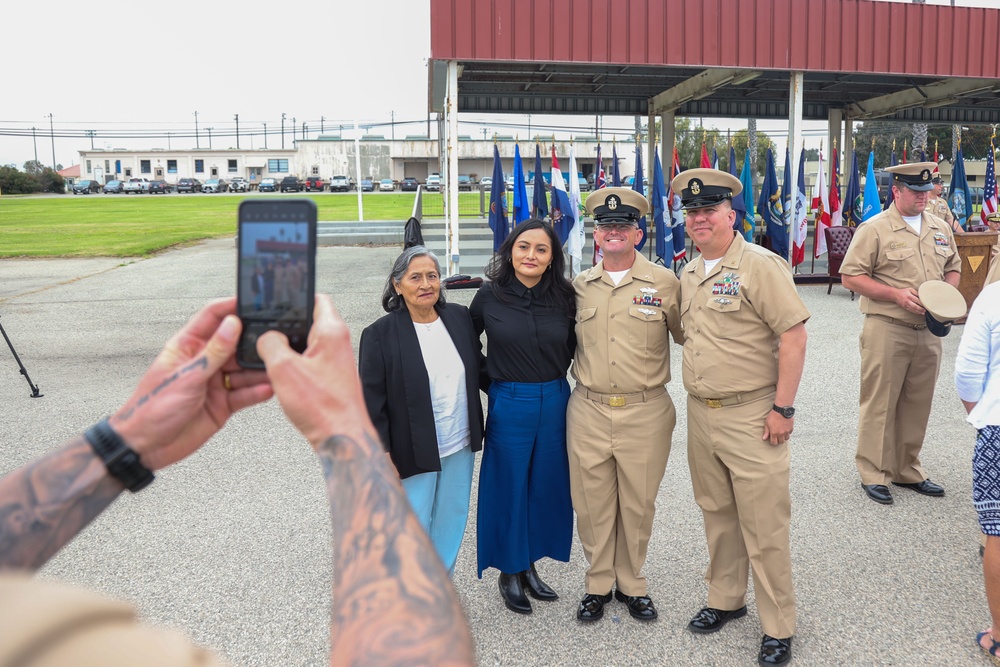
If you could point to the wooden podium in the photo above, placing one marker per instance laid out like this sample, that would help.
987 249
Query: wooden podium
974 250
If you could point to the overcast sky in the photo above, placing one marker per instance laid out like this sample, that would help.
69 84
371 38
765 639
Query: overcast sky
103 66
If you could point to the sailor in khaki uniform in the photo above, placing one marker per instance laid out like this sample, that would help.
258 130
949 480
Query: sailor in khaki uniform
936 204
745 345
620 419
890 257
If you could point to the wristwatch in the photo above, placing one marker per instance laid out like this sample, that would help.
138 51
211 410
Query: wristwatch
122 461
787 413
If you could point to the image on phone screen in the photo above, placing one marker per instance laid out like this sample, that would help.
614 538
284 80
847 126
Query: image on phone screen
276 286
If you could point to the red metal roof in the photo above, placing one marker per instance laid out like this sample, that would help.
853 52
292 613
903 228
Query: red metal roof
870 36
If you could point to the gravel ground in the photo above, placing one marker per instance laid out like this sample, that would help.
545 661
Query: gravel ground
233 544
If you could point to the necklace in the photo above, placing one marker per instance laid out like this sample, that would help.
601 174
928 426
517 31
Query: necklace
428 325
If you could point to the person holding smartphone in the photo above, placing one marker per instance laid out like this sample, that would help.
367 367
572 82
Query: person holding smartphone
419 367
525 512
186 396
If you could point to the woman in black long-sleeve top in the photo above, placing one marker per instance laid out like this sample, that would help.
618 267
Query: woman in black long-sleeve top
527 312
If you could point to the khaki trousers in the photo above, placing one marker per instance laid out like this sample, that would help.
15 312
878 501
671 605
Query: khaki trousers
899 368
617 457
741 484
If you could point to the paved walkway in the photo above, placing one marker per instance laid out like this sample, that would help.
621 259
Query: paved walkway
233 544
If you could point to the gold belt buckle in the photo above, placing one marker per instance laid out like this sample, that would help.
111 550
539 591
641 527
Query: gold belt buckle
713 402
616 401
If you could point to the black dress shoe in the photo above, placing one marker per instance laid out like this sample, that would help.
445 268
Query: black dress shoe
535 587
513 593
592 607
640 607
926 488
878 492
774 651
710 620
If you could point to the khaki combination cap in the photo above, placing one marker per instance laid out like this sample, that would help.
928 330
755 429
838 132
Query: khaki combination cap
914 175
612 206
46 624
699 188
944 304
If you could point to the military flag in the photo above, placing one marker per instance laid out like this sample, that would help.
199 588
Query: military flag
738 205
715 158
705 162
800 221
772 211
836 208
677 213
498 203
616 177
539 207
786 194
522 207
852 196
989 187
661 214
637 186
747 221
871 205
821 205
563 215
892 163
600 181
958 192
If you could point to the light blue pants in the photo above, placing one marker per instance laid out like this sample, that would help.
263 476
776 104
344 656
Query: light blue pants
441 502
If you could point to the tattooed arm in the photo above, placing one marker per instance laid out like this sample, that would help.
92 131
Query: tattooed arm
392 600
179 404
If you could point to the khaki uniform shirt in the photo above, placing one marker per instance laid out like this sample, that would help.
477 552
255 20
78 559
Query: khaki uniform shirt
733 318
621 331
888 250
939 207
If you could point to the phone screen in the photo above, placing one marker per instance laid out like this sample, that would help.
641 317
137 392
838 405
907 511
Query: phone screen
276 273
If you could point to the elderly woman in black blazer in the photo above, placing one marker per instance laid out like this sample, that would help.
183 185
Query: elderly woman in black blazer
419 369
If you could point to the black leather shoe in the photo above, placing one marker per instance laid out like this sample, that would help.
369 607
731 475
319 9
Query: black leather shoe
925 488
774 651
878 492
640 607
710 620
535 587
592 607
513 593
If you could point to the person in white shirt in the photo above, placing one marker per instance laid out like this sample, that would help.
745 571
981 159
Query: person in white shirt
977 378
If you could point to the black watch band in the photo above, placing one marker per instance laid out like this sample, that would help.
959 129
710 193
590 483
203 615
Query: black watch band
121 460
787 413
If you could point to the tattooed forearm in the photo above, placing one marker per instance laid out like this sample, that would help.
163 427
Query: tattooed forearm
47 502
392 600
200 363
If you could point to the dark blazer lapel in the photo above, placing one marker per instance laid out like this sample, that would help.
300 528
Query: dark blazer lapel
416 391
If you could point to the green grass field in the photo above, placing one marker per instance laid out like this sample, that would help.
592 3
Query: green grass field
138 225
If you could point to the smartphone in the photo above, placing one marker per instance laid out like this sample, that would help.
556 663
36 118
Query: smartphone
275 273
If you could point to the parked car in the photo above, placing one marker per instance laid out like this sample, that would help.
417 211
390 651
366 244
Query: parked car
628 182
367 185
136 186
464 183
386 185
409 184
340 184
113 187
268 185
314 184
291 184
85 187
433 183
215 185
159 187
486 183
239 184
188 185
584 184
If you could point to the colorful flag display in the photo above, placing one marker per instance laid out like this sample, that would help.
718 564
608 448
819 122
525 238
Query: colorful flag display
836 208
871 205
800 221
522 207
821 205
637 186
576 240
600 181
616 177
958 193
989 187
852 196
738 203
498 203
661 213
677 213
539 206
563 217
889 197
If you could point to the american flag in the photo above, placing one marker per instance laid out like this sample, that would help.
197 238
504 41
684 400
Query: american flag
989 188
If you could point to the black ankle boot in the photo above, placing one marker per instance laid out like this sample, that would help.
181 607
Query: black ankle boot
513 593
535 587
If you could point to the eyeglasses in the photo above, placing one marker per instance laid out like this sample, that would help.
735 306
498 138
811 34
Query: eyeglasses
621 229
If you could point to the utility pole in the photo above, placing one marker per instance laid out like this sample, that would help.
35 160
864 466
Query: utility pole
168 141
90 133
322 119
392 125
209 137
282 131
52 133
35 142
265 136
293 129
304 131
197 143
237 117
